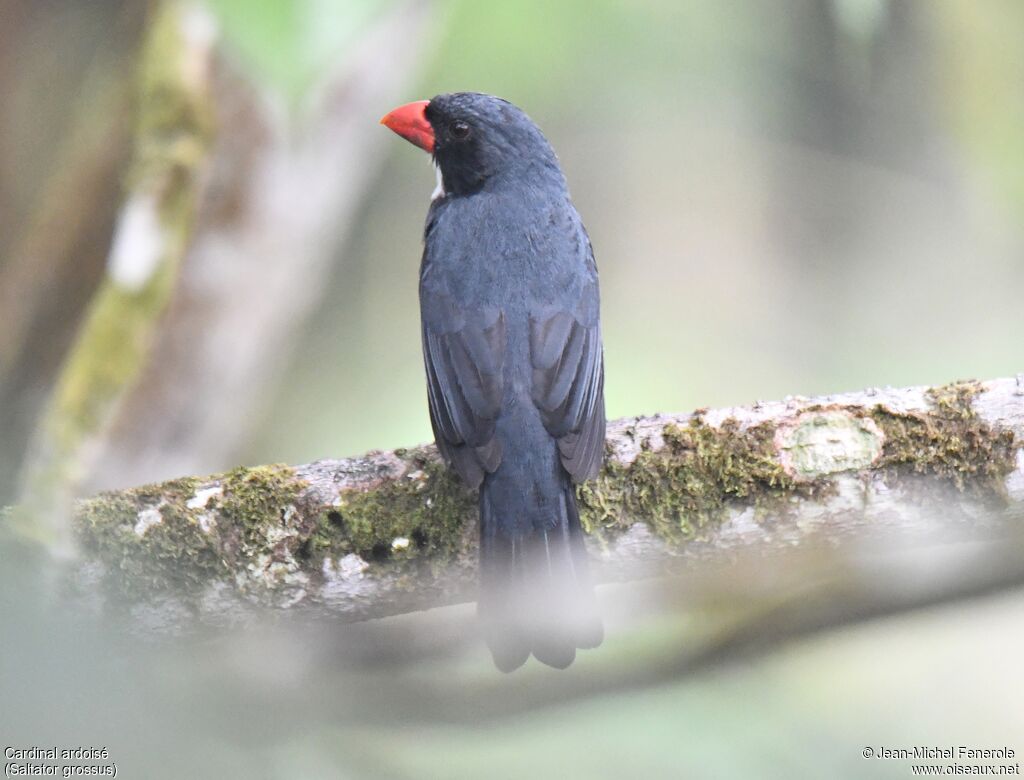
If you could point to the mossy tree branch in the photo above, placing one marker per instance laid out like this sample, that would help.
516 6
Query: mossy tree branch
392 532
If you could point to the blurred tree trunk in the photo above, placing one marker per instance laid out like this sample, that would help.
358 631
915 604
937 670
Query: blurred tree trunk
171 132
277 201
979 45
862 102
64 145
232 211
863 177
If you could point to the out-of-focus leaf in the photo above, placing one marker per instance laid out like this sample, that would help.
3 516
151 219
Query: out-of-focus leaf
981 68
288 44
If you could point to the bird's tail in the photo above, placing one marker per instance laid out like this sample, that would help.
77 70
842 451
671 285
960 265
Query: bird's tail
536 595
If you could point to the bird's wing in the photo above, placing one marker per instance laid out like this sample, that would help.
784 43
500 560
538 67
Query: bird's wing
464 356
568 378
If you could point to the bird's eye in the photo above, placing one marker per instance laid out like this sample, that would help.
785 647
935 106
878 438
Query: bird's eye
459 129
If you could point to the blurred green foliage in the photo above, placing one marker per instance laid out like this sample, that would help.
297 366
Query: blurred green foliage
786 197
288 44
986 106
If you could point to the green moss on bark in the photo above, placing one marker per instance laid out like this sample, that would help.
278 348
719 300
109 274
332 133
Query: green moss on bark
428 506
949 441
254 500
262 527
168 553
174 117
152 541
173 133
690 482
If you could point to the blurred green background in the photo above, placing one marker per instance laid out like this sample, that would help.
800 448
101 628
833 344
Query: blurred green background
784 197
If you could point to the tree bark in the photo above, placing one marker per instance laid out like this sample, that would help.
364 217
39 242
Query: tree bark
279 194
54 241
172 131
393 532
225 184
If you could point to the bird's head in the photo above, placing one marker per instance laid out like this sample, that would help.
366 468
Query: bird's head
476 140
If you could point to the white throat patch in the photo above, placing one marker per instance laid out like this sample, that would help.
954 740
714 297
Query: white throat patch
439 189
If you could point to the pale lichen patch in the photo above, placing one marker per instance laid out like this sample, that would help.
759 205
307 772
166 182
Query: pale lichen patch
344 579
207 522
277 533
827 441
1015 481
199 31
202 497
349 567
147 518
741 528
138 243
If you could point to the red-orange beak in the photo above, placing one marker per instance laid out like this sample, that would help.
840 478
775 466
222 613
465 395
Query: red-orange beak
410 122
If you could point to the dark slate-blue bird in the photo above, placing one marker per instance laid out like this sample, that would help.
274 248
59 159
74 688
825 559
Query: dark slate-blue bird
515 377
